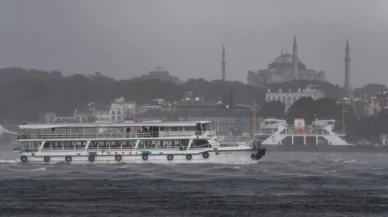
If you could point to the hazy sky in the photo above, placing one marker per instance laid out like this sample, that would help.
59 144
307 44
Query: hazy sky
127 38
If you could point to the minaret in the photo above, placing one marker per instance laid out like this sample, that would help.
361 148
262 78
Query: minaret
347 85
295 58
223 63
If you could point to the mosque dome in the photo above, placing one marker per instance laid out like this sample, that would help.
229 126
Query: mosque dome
284 61
284 58
158 69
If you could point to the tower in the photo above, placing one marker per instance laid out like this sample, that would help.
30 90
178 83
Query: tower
223 63
347 85
295 58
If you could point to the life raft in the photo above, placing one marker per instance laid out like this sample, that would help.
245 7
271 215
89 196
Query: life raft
68 159
23 158
91 158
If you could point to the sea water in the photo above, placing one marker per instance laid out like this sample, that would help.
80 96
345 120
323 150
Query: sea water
281 184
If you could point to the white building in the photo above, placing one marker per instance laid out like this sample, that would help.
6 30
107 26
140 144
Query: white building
288 98
372 106
102 113
121 110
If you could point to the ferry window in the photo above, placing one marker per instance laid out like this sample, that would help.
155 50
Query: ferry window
147 144
66 145
108 145
103 145
93 145
56 146
128 144
189 128
115 145
37 145
80 145
174 128
47 146
26 146
200 144
123 144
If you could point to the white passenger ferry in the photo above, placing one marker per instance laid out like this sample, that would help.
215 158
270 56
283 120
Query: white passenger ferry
276 134
163 142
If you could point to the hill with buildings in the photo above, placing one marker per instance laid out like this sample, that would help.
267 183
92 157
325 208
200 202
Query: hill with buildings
26 94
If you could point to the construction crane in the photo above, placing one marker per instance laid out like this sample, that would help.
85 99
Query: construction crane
254 117
343 111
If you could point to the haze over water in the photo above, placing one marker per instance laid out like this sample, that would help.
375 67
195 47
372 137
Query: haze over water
281 184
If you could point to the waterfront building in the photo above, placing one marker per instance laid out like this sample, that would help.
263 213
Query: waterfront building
288 98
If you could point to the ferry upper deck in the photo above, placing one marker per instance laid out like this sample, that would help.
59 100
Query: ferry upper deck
114 130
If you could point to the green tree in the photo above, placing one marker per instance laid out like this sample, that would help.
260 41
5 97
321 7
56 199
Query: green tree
272 109
370 88
302 108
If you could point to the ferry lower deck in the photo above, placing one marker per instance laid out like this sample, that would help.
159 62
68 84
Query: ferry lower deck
236 156
126 150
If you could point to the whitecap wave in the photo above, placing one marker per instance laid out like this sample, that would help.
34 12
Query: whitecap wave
12 161
39 169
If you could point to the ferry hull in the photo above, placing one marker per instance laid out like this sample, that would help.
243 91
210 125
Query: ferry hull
326 148
221 157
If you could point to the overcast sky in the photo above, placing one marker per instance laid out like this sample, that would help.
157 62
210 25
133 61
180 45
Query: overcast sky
127 38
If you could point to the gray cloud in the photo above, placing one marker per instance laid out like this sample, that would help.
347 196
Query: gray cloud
129 38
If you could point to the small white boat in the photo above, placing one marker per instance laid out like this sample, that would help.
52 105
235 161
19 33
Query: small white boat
153 142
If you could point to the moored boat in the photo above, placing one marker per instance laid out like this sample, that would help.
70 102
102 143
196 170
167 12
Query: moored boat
152 142
277 135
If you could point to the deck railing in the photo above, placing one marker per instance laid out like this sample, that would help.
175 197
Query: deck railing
107 135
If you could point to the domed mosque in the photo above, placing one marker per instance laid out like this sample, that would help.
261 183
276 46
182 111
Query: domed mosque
285 67
163 75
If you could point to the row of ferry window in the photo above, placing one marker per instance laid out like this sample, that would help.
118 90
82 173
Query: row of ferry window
144 144
64 145
112 145
109 130
69 145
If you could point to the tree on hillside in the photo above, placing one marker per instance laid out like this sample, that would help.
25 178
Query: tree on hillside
370 88
325 108
302 108
272 109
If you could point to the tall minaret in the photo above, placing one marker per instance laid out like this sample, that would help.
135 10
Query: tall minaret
347 84
295 58
223 63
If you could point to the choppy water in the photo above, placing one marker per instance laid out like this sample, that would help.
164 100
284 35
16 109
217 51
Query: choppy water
281 184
